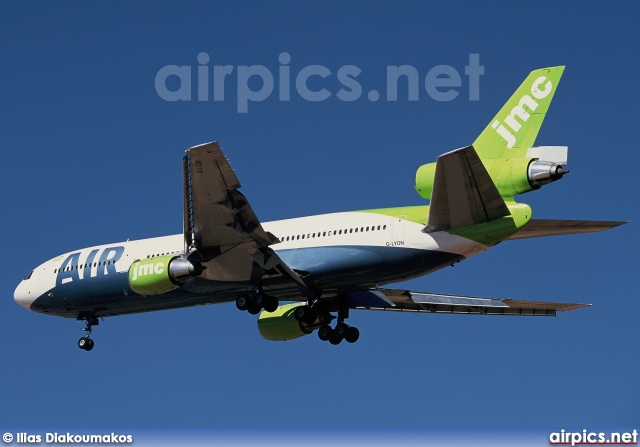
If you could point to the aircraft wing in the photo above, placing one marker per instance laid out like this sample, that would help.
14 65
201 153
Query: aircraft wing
549 227
215 212
221 230
406 300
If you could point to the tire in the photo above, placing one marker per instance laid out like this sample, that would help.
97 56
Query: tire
324 333
271 304
254 309
300 313
311 316
260 300
89 345
335 339
242 303
82 343
341 330
353 334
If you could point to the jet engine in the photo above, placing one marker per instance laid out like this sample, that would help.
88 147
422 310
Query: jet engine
512 176
282 325
161 274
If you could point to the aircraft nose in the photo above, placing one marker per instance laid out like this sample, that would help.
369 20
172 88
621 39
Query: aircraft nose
23 296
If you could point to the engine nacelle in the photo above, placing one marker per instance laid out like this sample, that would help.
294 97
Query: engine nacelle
281 325
161 274
512 176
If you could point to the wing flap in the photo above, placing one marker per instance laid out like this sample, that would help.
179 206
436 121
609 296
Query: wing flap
405 300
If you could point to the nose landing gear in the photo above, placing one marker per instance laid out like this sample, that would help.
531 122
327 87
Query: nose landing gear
86 342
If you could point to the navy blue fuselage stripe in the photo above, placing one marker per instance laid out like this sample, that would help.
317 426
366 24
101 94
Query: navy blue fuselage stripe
332 268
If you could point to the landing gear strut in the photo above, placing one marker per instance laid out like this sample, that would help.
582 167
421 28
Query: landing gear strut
256 302
317 316
86 342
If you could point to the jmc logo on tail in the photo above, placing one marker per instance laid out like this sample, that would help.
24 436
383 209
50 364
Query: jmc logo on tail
520 112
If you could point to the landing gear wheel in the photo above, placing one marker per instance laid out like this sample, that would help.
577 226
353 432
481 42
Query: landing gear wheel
311 317
335 339
299 313
254 309
259 300
305 314
324 333
242 303
85 343
341 330
353 334
271 303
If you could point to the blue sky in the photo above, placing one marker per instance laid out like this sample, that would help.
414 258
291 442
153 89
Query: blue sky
92 154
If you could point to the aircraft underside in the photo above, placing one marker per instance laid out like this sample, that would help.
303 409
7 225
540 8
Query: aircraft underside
367 268
325 265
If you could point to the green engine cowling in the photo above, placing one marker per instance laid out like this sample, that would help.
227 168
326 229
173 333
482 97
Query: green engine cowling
161 274
281 325
512 176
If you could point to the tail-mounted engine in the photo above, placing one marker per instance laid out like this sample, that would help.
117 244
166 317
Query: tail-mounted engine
512 176
161 274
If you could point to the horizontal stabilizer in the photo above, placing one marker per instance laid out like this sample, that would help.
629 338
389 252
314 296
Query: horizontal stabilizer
463 193
405 300
549 227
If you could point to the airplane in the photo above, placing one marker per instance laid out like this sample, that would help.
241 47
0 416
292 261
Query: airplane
301 274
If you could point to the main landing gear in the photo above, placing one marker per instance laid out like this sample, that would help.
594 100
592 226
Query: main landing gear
86 342
341 332
308 316
256 302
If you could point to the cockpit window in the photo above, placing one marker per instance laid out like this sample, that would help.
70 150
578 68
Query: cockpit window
29 275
